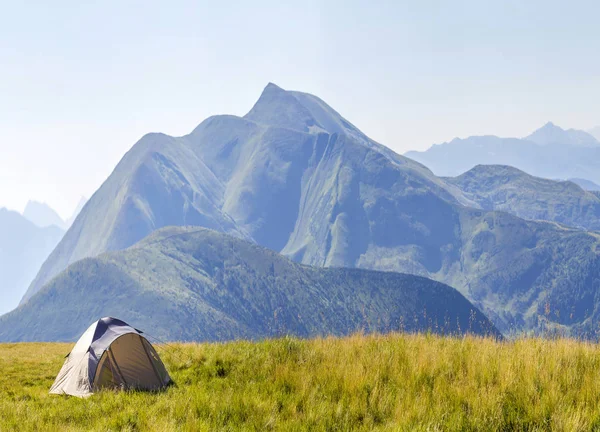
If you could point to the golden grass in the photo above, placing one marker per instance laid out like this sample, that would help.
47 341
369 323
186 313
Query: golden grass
393 382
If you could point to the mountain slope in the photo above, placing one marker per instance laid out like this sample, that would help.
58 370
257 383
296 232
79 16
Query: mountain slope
577 156
504 188
76 212
196 284
296 177
23 249
146 191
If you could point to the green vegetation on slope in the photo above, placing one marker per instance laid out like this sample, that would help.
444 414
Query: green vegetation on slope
195 284
394 382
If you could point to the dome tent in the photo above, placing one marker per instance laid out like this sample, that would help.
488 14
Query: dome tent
110 354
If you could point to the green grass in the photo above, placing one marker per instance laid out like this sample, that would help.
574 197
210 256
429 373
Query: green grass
394 382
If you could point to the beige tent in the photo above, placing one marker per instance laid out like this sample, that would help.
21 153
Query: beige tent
110 354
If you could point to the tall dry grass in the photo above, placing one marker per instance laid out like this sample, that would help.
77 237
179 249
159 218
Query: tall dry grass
362 382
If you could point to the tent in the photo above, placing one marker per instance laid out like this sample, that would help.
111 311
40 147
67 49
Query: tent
110 354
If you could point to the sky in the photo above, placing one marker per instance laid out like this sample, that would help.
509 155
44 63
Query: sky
81 82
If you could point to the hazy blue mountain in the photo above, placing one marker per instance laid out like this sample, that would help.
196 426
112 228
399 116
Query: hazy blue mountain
500 187
552 134
296 177
249 177
578 156
42 215
585 184
76 212
595 132
23 248
196 284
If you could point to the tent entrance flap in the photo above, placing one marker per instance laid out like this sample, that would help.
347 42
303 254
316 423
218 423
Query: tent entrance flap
133 363
105 374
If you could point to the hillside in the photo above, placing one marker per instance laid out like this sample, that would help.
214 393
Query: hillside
365 383
549 152
293 175
504 188
197 284
23 249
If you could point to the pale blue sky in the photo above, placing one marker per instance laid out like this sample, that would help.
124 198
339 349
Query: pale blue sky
80 83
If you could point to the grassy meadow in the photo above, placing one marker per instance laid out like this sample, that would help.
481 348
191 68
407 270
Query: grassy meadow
362 382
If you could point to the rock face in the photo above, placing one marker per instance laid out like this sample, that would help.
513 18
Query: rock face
23 248
196 284
296 177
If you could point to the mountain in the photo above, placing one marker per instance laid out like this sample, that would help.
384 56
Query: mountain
585 184
541 154
42 215
76 212
595 132
551 134
253 177
293 175
504 188
23 249
189 283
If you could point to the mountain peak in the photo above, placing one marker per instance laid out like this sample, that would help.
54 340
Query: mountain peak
271 90
281 108
299 111
549 128
42 215
272 86
552 134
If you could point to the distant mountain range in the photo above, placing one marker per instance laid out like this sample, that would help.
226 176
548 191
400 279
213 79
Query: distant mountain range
585 184
549 152
42 215
197 284
550 134
504 188
293 175
23 249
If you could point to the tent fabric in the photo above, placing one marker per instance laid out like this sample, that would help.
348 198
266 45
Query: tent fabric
110 354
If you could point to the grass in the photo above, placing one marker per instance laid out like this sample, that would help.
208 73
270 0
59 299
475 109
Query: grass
373 382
